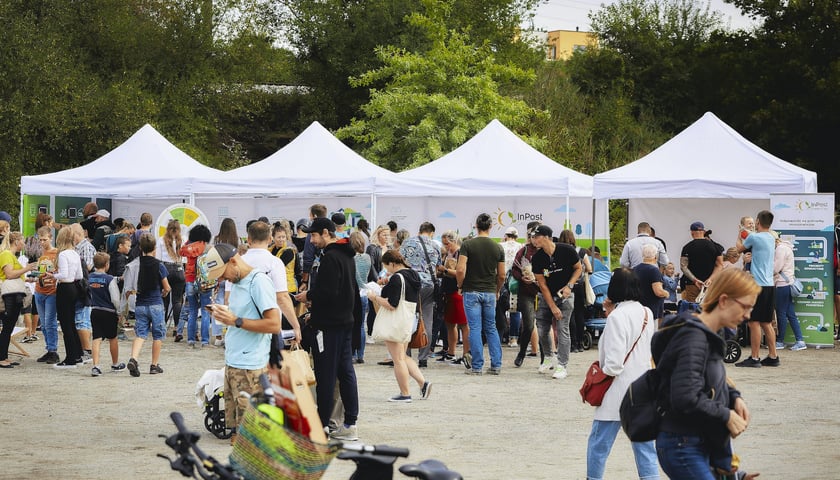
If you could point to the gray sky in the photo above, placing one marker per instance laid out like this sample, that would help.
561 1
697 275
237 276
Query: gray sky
568 14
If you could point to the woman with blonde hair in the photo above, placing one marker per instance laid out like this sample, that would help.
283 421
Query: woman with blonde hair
403 286
694 436
379 242
166 251
11 269
67 291
454 315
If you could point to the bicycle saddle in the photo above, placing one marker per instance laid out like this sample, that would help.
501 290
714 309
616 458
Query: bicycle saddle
430 470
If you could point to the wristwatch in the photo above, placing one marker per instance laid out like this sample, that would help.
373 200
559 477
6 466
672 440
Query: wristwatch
238 322
571 286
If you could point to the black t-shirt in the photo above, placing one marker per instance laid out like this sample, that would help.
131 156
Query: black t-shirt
558 268
648 275
702 255
393 288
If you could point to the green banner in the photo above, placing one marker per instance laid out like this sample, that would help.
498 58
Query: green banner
32 205
807 222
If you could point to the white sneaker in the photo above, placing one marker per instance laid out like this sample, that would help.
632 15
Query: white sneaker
369 340
800 345
513 343
348 434
548 364
560 372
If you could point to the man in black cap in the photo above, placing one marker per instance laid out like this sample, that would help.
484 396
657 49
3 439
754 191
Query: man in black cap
335 307
699 261
252 316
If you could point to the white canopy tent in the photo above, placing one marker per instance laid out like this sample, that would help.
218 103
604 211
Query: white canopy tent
145 166
146 173
708 173
498 173
315 167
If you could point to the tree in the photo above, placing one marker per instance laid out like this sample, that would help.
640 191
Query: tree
436 99
648 51
335 40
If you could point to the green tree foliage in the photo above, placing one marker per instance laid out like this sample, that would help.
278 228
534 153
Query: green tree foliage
337 39
648 52
779 84
434 100
77 78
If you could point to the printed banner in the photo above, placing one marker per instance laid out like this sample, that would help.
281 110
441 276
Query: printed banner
32 205
807 222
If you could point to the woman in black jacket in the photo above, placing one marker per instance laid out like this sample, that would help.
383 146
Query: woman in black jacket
702 411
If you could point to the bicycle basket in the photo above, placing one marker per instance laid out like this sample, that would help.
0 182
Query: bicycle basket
266 450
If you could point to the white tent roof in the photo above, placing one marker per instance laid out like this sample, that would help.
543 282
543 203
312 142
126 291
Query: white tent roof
146 165
706 160
495 162
313 164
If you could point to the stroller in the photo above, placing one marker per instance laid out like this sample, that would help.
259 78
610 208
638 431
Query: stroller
594 325
209 393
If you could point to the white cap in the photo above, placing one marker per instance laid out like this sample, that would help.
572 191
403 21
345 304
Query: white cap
103 213
512 231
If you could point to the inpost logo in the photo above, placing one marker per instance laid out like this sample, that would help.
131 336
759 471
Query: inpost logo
811 205
506 218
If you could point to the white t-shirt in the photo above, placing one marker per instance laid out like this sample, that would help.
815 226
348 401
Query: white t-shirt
262 260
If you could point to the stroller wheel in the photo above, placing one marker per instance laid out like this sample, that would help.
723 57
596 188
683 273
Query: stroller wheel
586 343
733 351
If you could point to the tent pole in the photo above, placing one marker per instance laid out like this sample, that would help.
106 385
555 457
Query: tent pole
592 245
373 210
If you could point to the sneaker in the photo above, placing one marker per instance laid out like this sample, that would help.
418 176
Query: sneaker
423 363
155 369
369 340
86 358
550 363
445 358
50 358
191 344
749 362
399 398
359 361
220 342
494 371
470 371
513 343
455 361
118 367
95 372
770 362
132 367
780 345
28 339
467 360
520 357
348 433
178 338
426 390
560 372
64 364
800 345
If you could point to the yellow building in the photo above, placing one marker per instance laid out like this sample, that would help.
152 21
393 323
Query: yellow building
560 44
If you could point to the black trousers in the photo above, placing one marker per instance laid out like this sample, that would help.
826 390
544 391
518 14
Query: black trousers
65 306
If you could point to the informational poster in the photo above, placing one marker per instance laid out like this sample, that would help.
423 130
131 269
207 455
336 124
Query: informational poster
807 222
32 205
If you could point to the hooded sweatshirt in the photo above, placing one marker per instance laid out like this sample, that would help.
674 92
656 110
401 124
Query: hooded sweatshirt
335 293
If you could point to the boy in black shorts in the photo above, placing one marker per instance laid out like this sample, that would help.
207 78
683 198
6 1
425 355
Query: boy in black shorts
103 313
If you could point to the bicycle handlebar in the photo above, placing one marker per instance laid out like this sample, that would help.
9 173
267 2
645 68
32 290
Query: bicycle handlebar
376 449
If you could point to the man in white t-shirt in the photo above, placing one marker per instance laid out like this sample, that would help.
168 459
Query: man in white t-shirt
260 258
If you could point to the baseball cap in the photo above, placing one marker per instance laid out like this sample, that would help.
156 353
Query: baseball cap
338 218
302 223
541 230
697 226
5 216
319 225
103 213
512 231
211 265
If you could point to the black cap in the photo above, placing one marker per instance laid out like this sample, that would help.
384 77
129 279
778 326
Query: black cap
338 218
543 230
319 225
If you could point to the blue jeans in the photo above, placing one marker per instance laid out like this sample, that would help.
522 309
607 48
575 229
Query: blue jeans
785 313
49 319
683 457
480 308
601 440
150 318
195 300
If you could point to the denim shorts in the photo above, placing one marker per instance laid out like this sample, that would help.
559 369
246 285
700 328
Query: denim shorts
83 318
149 317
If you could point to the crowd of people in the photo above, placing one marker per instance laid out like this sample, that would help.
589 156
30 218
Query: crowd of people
103 276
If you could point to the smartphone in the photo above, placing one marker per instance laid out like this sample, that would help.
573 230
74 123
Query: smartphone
209 308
